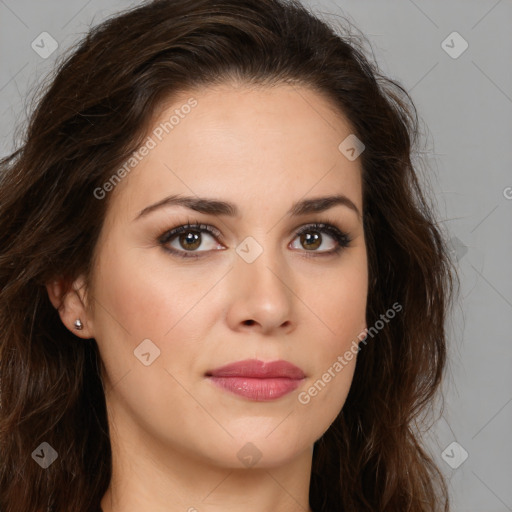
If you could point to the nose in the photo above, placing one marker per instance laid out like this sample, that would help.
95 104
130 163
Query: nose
261 295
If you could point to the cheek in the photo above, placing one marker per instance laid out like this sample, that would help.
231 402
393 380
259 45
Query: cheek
339 303
137 301
340 315
320 401
139 297
146 297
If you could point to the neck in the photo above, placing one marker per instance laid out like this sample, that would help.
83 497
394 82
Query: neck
153 478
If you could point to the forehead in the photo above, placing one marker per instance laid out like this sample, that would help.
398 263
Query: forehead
252 145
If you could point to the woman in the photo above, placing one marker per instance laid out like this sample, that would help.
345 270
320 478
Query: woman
213 217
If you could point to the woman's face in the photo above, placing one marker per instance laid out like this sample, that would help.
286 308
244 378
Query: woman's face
167 315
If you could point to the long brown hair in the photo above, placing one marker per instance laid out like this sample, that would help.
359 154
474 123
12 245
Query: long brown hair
88 121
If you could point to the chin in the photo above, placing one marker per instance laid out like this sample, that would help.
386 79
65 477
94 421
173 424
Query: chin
261 450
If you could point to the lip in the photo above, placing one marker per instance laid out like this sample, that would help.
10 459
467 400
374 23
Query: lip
258 380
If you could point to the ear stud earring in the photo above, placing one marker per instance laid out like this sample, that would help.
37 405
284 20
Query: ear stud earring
78 324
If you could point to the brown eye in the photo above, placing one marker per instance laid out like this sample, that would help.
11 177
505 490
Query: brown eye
312 237
187 239
311 242
190 241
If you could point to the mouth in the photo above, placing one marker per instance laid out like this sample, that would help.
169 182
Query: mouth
258 380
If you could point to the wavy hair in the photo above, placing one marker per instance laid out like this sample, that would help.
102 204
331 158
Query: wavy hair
88 119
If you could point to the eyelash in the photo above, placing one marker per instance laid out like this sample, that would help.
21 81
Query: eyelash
339 236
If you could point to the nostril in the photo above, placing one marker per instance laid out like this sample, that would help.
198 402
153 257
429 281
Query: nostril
249 322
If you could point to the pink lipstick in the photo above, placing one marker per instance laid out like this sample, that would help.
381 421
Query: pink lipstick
258 380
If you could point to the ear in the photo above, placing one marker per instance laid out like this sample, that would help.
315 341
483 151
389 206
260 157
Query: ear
70 299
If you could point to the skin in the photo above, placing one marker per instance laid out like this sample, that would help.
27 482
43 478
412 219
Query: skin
175 436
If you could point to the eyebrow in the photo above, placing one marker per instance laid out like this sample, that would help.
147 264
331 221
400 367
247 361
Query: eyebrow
216 207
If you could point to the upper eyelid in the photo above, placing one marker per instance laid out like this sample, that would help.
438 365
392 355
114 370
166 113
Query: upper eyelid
324 226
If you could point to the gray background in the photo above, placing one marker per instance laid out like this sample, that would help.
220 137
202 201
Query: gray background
466 107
